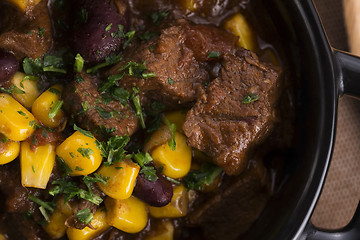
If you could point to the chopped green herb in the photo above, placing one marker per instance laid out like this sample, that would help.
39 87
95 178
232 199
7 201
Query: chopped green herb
66 169
83 15
173 180
53 64
40 32
31 66
33 168
89 180
85 152
146 36
197 179
85 106
129 36
55 108
21 113
44 213
72 155
85 215
77 168
250 98
171 82
12 90
3 138
54 91
122 95
111 81
108 27
102 112
137 104
149 171
79 63
44 133
215 54
47 205
113 150
172 128
79 79
109 60
84 132
158 17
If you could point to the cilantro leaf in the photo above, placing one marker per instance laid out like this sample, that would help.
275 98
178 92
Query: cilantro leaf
85 215
250 98
197 179
172 128
149 171
113 150
79 63
55 108
84 132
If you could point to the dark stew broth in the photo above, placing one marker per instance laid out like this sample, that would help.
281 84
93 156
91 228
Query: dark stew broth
139 119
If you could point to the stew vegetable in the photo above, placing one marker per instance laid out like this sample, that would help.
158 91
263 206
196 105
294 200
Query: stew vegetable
132 119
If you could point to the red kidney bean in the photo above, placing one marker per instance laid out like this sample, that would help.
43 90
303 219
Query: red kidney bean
8 66
98 29
156 194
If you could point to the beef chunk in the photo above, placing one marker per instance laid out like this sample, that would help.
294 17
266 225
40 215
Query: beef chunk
230 213
221 124
180 66
31 35
83 101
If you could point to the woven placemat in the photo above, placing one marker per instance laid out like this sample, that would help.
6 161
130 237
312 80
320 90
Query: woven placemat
341 191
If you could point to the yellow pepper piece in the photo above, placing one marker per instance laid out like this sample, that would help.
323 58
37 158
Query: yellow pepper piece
178 207
47 107
29 86
56 227
36 164
128 215
190 5
9 151
178 118
176 162
80 153
99 223
164 230
24 4
121 179
16 122
238 25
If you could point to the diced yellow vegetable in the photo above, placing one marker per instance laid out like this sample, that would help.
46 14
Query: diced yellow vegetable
128 215
9 151
164 230
178 207
2 237
178 118
176 162
56 227
99 223
16 122
80 153
121 179
24 4
45 105
238 25
29 86
36 164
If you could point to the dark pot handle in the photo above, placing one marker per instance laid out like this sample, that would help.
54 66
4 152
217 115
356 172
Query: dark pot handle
347 73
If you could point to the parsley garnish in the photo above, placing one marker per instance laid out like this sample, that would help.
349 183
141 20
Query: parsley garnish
40 32
21 113
250 98
109 60
54 91
44 206
55 108
103 113
3 138
136 101
197 179
171 82
108 27
158 17
85 152
85 215
12 90
83 15
84 132
149 171
79 63
215 54
70 190
172 128
66 169
113 150
146 36
129 36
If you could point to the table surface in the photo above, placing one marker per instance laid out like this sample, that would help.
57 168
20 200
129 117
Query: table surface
341 192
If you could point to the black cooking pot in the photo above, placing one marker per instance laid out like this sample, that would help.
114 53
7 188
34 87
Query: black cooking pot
322 75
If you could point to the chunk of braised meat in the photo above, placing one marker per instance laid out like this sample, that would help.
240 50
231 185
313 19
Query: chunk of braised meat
100 30
83 101
179 63
233 209
15 206
235 113
8 66
157 193
31 35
